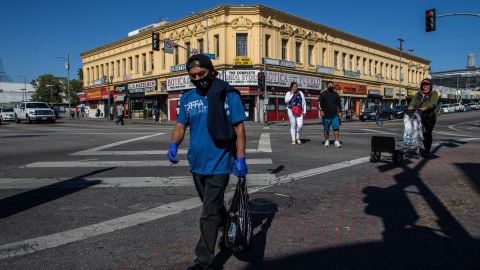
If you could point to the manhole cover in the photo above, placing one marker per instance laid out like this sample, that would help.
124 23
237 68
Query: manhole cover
269 202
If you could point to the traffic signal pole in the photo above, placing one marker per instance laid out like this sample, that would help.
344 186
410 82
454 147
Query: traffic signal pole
431 17
265 95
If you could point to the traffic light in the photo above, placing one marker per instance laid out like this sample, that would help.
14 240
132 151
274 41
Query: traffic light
155 41
261 80
430 20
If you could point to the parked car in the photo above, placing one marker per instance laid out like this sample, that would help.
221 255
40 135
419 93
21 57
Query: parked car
385 113
445 108
473 106
459 107
34 111
400 111
7 114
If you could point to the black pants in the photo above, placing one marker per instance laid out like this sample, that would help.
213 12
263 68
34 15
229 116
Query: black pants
211 189
120 119
429 124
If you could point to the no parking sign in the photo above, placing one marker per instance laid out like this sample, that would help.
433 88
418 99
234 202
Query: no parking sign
168 46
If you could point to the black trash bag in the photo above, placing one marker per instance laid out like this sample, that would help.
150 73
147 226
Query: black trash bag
238 228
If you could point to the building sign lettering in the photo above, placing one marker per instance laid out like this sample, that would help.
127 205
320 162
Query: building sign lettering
145 86
347 88
284 80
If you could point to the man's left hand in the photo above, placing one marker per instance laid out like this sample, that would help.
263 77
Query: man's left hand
240 167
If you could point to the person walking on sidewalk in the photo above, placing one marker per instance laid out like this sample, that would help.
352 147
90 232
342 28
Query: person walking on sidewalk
426 101
296 108
331 112
215 113
111 113
377 109
120 112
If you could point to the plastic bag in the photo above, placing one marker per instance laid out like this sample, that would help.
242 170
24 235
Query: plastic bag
407 130
238 228
413 130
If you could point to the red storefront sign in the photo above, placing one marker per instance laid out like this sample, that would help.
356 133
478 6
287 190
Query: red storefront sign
97 93
82 97
346 88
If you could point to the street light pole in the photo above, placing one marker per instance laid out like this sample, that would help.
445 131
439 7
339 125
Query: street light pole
67 66
400 72
108 80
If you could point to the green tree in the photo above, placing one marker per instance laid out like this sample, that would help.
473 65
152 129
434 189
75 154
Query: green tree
76 86
80 74
47 89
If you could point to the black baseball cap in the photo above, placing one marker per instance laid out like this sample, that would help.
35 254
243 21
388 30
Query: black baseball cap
199 60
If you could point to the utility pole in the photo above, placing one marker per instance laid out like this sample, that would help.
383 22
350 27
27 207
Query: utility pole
401 77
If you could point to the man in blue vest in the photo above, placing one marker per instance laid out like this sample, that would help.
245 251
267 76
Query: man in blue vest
215 113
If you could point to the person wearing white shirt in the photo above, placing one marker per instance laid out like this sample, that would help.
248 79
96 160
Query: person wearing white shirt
296 108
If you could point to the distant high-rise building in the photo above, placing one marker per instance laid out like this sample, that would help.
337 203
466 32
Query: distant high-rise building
471 60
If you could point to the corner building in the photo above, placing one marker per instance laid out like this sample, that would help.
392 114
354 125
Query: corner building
245 40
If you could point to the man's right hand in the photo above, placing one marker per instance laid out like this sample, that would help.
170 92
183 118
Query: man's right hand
172 152
322 114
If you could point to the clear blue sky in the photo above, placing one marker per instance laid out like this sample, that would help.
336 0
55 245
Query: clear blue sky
34 32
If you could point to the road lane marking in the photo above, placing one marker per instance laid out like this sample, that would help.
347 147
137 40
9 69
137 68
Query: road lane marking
452 126
449 134
120 182
264 143
79 234
376 131
264 146
125 163
96 149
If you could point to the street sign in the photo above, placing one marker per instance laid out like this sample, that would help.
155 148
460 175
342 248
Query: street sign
195 51
265 102
178 68
210 55
168 46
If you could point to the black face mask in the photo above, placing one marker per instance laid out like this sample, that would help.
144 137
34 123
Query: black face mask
330 88
204 83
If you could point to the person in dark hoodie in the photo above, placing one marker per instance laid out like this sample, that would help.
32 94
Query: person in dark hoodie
426 101
215 113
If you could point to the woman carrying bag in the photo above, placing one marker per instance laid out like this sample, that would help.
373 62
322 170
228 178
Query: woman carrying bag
296 108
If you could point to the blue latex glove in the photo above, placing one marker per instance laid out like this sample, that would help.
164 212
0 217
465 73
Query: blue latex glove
240 168
172 152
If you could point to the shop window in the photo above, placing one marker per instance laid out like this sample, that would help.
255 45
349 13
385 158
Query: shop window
282 106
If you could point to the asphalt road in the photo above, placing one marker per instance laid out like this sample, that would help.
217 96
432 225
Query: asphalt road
93 195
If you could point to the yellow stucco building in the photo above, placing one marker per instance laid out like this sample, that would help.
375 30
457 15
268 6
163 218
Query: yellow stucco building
245 40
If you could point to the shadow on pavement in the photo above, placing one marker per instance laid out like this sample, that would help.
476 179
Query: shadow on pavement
262 215
32 198
277 169
471 170
444 244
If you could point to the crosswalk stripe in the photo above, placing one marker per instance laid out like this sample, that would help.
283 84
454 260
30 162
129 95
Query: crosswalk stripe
123 163
120 182
263 147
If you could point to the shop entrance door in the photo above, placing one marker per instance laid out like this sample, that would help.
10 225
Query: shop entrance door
249 108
